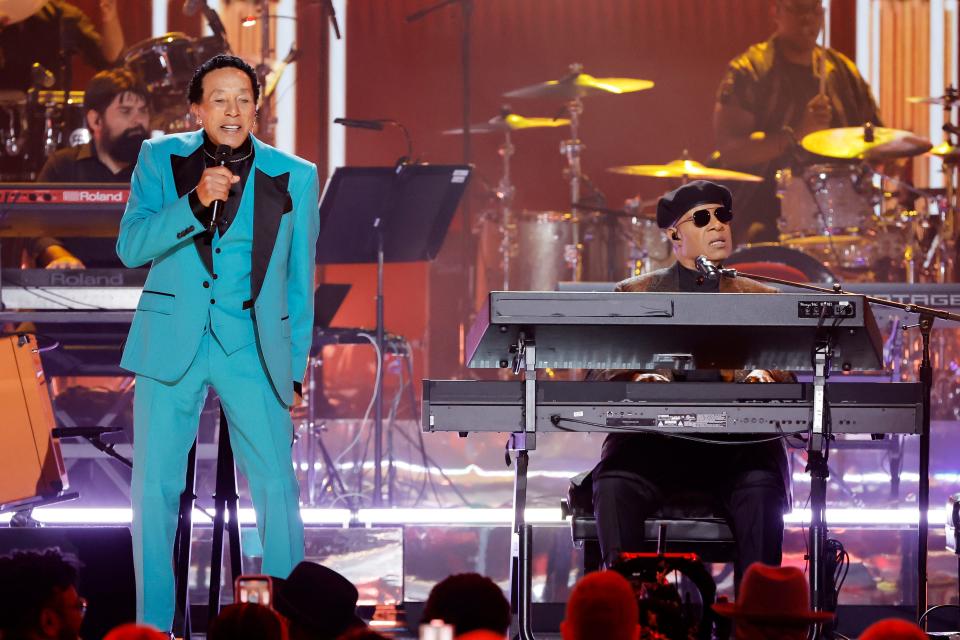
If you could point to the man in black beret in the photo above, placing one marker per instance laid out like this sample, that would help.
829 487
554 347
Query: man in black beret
639 473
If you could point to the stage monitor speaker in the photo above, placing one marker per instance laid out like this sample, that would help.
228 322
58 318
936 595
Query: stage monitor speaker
105 559
31 466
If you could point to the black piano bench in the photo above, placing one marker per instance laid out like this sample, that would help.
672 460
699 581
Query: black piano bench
687 524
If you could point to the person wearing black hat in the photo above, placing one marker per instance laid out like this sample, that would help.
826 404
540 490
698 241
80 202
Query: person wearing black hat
318 602
639 473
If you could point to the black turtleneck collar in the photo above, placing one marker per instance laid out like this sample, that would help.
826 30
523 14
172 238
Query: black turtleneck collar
692 281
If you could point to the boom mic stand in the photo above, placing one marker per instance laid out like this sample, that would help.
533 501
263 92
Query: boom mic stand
926 317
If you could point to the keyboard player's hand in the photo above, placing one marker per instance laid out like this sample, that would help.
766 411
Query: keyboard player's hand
759 375
59 258
649 377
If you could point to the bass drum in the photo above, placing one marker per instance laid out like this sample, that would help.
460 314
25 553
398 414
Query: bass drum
826 203
777 261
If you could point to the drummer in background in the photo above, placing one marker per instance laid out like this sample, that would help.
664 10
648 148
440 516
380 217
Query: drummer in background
38 39
769 100
117 116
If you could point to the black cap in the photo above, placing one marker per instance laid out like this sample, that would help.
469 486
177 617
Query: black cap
677 202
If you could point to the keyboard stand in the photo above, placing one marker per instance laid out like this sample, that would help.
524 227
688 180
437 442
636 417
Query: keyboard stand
822 595
521 443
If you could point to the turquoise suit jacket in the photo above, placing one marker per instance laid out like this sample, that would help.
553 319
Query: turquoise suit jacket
158 227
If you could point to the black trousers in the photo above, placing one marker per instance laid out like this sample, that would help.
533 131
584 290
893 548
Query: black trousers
639 474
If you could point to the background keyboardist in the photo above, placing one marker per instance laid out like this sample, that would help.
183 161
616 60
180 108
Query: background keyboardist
747 481
117 116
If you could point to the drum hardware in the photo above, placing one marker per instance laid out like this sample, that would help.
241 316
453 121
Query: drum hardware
943 248
506 123
572 88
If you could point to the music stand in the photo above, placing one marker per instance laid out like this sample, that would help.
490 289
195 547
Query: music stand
387 214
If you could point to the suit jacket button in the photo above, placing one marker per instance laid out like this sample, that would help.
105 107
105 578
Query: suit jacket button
217 250
212 301
206 285
215 276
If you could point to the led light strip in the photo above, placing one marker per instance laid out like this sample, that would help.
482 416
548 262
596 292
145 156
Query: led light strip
437 516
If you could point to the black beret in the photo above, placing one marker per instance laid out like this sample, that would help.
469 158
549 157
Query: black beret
677 202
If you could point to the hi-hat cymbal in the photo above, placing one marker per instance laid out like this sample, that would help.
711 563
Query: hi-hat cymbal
946 151
856 143
511 122
684 169
579 85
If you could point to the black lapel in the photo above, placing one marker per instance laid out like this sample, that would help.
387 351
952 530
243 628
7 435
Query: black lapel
187 170
186 174
270 201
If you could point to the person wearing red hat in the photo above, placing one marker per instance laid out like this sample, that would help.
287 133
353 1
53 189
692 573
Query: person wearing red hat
893 629
135 632
601 605
774 602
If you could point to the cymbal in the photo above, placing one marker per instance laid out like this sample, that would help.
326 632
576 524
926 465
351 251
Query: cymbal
946 151
14 11
684 169
511 122
851 143
580 85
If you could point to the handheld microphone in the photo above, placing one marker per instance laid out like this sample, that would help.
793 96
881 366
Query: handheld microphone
220 157
707 268
376 125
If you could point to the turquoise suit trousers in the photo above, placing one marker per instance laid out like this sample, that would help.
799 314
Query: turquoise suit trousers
166 418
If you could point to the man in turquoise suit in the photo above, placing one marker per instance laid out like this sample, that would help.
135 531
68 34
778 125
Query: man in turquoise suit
228 304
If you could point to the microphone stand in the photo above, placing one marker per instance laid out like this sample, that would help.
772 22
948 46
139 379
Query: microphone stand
467 253
926 318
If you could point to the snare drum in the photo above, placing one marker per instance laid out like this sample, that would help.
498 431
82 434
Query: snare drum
829 202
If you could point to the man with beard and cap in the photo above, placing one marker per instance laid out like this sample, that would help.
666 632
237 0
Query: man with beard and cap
639 473
769 99
228 226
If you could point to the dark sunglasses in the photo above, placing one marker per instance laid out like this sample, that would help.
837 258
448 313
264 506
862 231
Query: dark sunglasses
701 217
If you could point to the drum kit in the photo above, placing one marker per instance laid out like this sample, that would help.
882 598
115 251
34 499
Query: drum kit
35 123
841 216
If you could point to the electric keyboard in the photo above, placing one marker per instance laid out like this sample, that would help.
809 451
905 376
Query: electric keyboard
679 407
606 330
72 289
82 210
